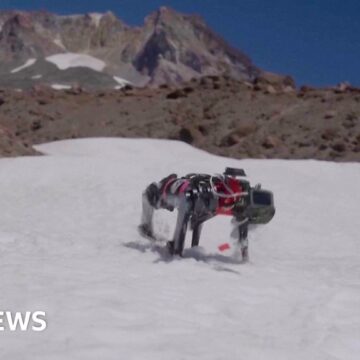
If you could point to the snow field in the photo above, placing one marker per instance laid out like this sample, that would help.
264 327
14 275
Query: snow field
69 246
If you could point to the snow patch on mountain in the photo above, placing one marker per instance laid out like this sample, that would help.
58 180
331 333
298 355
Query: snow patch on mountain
122 82
59 43
96 18
69 60
60 87
28 63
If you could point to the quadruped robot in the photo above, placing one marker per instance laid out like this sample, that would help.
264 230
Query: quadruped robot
200 197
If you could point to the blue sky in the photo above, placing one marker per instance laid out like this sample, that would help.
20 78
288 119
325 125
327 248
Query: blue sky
316 41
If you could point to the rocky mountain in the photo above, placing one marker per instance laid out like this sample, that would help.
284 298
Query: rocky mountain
169 48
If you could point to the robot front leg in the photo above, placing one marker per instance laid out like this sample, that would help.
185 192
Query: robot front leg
176 246
197 227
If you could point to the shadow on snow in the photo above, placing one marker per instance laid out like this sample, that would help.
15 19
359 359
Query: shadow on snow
159 248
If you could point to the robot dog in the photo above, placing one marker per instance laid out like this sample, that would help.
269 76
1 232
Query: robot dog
199 197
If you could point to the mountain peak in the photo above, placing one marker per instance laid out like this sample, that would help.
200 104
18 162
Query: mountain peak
21 19
171 47
168 16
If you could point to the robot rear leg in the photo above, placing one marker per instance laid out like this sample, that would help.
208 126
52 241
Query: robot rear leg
243 240
150 199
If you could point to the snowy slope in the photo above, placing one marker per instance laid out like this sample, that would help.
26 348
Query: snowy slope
69 246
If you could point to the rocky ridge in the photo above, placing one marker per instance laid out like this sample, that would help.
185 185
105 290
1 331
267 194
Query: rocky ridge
169 48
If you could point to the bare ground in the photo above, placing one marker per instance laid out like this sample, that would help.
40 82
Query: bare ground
220 115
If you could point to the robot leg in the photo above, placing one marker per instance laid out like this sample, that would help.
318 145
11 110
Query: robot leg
196 234
176 246
243 240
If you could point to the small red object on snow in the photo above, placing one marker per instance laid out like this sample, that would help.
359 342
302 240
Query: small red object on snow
224 247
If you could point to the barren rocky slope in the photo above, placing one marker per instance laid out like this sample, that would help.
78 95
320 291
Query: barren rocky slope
267 119
12 146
